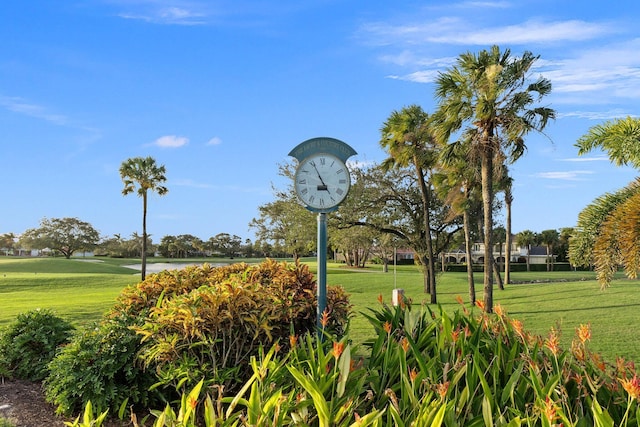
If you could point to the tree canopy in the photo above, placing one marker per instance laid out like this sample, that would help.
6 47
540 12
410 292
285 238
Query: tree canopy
491 97
65 235
608 231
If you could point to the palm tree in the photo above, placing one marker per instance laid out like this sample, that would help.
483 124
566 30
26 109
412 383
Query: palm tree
410 141
459 184
499 235
508 201
620 138
526 238
144 174
549 238
488 94
607 233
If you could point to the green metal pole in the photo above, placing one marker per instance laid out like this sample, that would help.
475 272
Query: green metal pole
322 266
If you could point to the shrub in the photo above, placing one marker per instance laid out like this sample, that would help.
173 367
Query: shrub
99 365
200 322
30 343
212 331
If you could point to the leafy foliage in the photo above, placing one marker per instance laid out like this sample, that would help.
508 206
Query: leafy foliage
65 235
30 343
492 96
425 368
100 366
200 322
211 331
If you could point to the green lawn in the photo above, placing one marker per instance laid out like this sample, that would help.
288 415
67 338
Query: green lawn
81 291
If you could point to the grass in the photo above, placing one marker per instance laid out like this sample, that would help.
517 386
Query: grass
82 291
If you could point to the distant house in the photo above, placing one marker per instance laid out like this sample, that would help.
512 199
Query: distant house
537 254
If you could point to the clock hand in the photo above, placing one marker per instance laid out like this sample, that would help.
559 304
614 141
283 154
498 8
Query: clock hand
323 186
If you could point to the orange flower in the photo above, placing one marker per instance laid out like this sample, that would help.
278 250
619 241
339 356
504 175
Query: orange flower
455 335
293 340
413 374
499 310
553 342
584 333
380 299
549 410
325 318
480 304
631 386
387 327
338 348
442 389
192 402
405 344
578 351
459 299
597 360
518 327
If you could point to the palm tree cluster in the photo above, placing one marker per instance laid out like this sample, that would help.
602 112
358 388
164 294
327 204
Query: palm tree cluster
608 230
487 104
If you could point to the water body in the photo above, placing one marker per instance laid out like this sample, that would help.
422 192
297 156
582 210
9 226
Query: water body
156 267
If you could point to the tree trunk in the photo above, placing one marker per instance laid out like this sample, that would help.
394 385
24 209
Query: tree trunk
143 262
496 272
467 243
528 257
507 259
499 269
487 203
427 225
425 273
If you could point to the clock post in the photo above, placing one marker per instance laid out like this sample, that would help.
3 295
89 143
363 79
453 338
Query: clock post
322 182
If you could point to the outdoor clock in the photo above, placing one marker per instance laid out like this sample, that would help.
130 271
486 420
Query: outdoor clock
322 181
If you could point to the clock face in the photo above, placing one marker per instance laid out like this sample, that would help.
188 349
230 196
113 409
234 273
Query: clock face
322 181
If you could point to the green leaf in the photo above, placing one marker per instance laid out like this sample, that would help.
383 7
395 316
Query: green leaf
192 397
254 403
488 395
344 366
487 413
509 387
601 417
319 402
437 420
123 408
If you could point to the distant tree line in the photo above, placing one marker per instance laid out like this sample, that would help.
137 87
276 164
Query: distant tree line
66 236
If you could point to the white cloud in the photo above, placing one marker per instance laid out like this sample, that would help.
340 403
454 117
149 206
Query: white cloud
163 12
596 115
587 159
564 175
459 31
215 141
171 141
190 183
607 73
20 106
426 76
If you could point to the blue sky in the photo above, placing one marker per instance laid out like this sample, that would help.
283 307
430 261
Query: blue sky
220 91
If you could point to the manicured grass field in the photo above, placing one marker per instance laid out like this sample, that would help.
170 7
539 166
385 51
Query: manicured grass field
82 290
